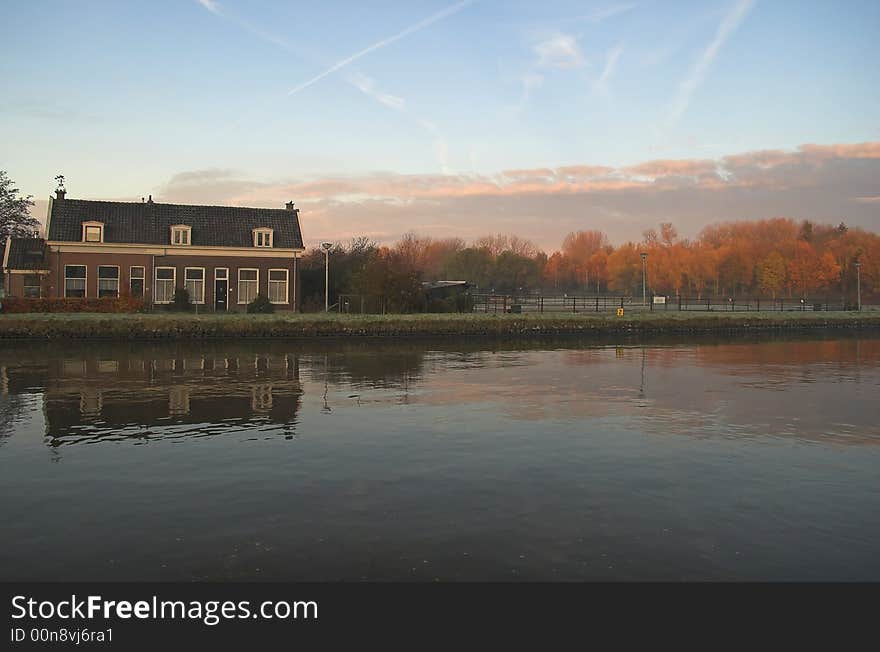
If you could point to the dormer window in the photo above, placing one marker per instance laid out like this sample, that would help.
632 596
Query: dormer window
263 237
93 232
180 234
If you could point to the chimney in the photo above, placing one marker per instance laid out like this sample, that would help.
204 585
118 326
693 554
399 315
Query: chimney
60 193
150 199
289 206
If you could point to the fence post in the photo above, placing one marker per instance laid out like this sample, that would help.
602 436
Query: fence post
759 305
597 303
679 303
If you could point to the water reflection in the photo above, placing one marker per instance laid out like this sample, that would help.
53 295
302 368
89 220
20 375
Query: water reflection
734 388
552 459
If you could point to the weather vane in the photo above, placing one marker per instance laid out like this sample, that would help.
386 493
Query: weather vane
60 180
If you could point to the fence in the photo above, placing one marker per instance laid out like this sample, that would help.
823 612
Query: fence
536 303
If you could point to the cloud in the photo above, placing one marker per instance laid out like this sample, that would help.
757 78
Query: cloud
342 63
611 58
559 51
701 67
210 5
367 86
605 13
820 182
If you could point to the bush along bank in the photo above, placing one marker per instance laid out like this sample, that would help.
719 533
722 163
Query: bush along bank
186 326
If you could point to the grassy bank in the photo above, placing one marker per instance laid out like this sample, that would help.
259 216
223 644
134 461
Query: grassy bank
185 326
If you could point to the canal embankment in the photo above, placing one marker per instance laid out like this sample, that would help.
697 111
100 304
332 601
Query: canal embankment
165 326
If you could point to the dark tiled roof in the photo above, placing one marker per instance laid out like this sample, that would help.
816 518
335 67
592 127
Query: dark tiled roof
27 253
151 222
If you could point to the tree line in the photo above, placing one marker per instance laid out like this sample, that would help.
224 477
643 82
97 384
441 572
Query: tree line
772 258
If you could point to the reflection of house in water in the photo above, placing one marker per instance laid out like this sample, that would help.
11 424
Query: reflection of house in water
129 395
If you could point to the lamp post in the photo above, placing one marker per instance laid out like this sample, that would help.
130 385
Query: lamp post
326 246
644 256
858 267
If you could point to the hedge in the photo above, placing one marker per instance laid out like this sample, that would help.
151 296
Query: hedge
122 304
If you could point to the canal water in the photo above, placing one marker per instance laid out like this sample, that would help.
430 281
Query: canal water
474 460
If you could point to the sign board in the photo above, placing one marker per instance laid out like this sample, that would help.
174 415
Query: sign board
659 299
620 312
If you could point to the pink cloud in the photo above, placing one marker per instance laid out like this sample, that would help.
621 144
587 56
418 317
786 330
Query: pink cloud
820 182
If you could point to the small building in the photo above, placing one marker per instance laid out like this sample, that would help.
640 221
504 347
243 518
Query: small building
223 255
25 267
444 289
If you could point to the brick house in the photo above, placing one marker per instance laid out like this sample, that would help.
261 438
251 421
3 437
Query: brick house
25 267
223 255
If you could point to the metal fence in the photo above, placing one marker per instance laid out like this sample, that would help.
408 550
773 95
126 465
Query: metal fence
536 303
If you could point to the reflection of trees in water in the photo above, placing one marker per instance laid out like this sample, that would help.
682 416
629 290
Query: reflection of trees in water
142 391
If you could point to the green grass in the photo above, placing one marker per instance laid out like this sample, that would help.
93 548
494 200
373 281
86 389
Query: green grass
190 326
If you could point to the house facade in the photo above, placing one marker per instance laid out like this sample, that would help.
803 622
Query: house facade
223 255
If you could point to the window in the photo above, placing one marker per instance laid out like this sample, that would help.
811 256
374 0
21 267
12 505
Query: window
75 281
164 286
93 232
180 235
108 281
248 284
263 237
221 273
194 282
32 285
278 285
136 282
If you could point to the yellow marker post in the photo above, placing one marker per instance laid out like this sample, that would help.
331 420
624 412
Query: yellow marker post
620 312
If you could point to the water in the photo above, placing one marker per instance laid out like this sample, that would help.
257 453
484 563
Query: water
470 460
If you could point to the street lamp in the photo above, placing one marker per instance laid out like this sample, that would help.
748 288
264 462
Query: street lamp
858 267
644 256
326 246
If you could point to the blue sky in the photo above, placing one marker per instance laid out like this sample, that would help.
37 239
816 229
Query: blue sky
249 100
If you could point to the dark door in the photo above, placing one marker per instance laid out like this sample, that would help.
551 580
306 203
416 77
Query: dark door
221 293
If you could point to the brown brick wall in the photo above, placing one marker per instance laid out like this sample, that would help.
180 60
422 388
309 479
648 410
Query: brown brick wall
57 261
14 285
233 264
55 280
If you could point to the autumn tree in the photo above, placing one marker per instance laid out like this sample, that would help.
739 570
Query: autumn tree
771 274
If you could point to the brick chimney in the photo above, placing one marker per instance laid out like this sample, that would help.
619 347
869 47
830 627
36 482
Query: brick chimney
59 194
289 206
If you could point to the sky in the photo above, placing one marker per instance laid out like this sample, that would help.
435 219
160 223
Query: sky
452 118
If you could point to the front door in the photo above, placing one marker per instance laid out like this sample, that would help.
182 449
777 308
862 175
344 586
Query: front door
221 289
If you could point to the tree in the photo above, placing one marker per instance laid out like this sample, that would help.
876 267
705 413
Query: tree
15 216
771 274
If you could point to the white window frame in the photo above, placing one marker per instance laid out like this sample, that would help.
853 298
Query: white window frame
204 280
238 287
156 280
118 279
286 285
87 225
267 239
186 234
85 280
132 277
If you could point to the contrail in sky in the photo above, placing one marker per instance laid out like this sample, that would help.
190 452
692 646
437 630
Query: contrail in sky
430 20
